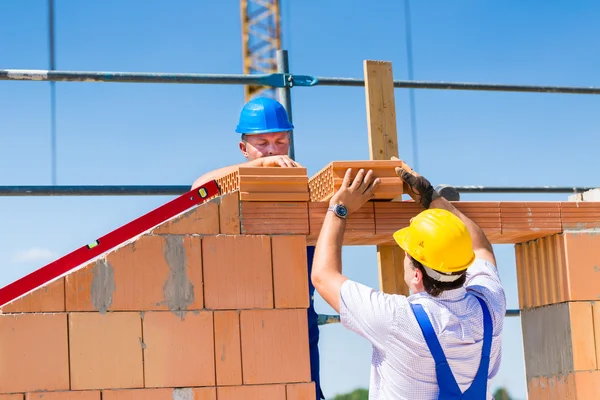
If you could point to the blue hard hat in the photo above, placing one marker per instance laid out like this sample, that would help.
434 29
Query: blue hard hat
263 115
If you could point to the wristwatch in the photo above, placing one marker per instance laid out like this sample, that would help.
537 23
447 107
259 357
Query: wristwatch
339 209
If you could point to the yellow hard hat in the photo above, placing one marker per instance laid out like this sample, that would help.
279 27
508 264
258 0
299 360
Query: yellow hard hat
438 239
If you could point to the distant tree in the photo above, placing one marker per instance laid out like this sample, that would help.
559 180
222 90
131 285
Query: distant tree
357 394
502 394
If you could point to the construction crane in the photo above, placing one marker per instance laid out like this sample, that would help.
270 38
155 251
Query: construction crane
261 38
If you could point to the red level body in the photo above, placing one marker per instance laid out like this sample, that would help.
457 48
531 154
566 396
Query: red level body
84 254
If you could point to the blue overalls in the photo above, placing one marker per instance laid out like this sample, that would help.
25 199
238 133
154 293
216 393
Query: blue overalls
313 328
449 389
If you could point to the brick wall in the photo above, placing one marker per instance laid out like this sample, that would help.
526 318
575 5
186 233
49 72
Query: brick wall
193 309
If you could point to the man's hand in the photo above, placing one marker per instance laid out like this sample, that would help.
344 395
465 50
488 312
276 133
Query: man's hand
275 161
353 194
420 190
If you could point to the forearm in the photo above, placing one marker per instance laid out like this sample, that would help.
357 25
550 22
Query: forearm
480 240
326 273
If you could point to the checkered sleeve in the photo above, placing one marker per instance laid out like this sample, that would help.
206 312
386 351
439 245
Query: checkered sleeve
483 279
367 312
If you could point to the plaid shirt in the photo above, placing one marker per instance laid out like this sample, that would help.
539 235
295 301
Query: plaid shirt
402 366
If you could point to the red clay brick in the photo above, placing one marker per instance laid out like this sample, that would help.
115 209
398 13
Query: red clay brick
67 395
301 391
274 346
49 298
152 273
208 393
34 352
237 272
582 385
106 350
229 213
360 225
255 392
290 271
202 219
274 218
11 396
228 353
582 253
178 352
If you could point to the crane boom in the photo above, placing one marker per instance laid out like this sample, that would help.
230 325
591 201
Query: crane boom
261 38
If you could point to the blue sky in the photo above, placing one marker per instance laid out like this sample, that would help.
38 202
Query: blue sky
170 134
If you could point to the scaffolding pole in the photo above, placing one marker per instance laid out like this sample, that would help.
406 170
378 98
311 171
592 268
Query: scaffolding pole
176 190
274 80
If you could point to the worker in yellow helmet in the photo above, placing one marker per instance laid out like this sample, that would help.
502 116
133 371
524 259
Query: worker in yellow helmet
443 341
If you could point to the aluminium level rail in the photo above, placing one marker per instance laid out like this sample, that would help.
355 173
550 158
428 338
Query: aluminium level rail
154 190
278 80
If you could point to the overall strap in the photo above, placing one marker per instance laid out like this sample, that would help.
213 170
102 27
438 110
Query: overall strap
429 334
487 330
448 388
478 388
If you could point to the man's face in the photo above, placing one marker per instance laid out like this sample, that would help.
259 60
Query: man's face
265 144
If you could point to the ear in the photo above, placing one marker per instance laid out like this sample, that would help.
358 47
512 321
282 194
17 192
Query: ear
243 148
417 276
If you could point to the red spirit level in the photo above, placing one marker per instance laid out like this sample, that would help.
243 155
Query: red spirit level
77 258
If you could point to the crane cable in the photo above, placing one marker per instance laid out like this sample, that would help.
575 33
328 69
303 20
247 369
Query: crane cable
52 91
411 94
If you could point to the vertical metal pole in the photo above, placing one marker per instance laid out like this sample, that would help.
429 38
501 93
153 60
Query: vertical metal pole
284 93
52 90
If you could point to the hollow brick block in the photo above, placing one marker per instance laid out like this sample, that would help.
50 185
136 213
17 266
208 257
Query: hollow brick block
178 349
106 350
228 356
580 215
290 271
229 214
33 352
301 391
205 393
65 395
266 183
253 392
583 385
274 346
237 272
274 218
202 219
558 339
48 298
562 267
152 273
328 180
360 225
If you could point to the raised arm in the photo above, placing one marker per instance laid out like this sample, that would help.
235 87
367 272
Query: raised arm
422 192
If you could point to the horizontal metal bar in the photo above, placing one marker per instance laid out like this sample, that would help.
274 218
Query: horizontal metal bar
151 190
324 319
100 190
273 80
523 189
322 81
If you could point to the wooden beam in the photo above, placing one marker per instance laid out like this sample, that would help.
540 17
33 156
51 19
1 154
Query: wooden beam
383 144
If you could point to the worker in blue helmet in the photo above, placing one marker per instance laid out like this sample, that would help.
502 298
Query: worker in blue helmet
265 141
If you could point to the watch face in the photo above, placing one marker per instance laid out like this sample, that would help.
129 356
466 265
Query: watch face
341 210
